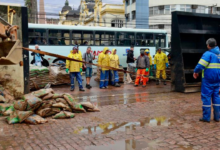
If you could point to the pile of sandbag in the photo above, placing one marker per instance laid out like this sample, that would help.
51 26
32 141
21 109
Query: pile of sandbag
33 108
59 74
39 77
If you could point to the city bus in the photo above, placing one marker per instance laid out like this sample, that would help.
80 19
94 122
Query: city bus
60 39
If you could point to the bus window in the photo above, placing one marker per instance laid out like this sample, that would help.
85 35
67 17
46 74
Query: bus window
99 38
109 38
77 38
140 39
149 38
88 38
37 36
125 38
59 37
160 40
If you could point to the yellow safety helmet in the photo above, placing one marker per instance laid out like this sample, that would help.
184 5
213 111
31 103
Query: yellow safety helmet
147 50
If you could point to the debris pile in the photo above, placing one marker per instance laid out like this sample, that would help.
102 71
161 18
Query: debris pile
60 76
39 77
33 108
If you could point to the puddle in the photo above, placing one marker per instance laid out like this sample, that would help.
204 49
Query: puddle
126 145
128 127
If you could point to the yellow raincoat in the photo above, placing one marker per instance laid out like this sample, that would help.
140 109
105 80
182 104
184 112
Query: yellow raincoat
160 61
73 66
114 59
104 59
147 50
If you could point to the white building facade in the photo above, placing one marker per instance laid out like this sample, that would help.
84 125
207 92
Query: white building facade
160 10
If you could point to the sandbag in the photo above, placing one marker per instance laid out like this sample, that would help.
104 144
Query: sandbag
69 114
43 92
48 96
4 107
62 100
53 111
44 105
95 109
2 99
35 119
69 98
76 107
23 115
43 112
87 105
56 95
59 105
13 118
9 111
68 108
63 115
20 105
33 103
60 115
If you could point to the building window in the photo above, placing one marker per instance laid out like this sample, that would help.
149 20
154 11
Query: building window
173 8
167 9
133 15
127 16
128 2
188 8
161 26
200 9
167 26
156 10
151 26
151 11
117 23
161 10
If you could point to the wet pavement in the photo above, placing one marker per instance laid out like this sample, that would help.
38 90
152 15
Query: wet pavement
130 119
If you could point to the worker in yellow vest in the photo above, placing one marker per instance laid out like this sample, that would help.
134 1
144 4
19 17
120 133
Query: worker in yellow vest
74 69
104 60
160 65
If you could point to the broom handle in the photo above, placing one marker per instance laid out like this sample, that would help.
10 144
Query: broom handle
67 58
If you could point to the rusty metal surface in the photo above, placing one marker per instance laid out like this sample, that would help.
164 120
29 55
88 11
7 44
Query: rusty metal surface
10 52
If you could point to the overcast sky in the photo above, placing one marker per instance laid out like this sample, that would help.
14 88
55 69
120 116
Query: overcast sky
54 6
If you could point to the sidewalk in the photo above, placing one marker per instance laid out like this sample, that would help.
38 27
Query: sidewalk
130 119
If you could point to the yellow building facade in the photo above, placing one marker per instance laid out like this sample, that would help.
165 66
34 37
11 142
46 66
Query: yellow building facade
107 15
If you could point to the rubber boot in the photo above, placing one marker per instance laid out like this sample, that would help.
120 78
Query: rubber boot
164 82
117 85
157 82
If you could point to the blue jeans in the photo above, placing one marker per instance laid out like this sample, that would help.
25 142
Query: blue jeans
104 77
78 78
210 96
114 77
88 72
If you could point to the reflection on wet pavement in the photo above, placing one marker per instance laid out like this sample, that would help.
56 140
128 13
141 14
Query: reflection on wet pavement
122 98
127 145
128 127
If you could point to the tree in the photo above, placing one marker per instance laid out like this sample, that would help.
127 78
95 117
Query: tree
28 4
